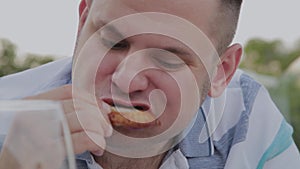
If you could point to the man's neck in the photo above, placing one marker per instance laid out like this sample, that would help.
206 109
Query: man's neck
111 161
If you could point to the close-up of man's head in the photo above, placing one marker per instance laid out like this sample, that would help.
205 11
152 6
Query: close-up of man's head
153 84
157 57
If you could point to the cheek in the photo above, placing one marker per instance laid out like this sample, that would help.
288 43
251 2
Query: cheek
184 96
105 70
107 66
169 87
93 64
203 81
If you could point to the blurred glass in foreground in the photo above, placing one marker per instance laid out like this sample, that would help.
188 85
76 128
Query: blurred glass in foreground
34 135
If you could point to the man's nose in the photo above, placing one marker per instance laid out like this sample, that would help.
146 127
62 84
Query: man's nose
130 75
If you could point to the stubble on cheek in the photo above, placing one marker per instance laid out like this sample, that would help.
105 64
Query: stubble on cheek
204 91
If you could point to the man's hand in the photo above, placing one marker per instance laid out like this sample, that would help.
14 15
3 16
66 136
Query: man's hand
88 126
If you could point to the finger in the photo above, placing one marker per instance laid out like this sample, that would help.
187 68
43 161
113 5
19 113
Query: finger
85 121
88 141
68 106
92 116
105 111
106 124
61 93
87 116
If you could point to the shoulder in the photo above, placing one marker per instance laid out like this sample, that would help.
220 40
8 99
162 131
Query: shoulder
243 125
34 80
251 124
248 110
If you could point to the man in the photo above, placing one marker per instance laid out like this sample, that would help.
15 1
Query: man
249 130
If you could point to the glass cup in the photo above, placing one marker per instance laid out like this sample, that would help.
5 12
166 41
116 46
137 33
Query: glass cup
34 135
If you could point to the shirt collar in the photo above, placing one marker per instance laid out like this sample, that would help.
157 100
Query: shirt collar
175 160
191 145
86 156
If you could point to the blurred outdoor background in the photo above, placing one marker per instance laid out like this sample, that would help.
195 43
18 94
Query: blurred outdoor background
34 32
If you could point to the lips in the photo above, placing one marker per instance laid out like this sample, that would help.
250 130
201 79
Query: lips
123 104
135 116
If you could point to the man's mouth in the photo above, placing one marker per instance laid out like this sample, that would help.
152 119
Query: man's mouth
137 107
133 115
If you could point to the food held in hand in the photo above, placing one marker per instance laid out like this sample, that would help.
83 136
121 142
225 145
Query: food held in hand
132 118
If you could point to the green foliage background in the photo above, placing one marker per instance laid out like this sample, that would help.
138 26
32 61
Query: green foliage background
268 61
11 63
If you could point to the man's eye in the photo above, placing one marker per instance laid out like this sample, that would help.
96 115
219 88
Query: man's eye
115 45
170 64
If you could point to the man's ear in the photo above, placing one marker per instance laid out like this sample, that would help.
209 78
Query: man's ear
225 70
84 8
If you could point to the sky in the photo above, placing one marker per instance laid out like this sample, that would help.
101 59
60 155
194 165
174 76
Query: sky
49 26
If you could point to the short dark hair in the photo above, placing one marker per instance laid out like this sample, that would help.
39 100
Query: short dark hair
225 25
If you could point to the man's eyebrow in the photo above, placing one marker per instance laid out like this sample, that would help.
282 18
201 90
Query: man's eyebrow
177 50
182 52
109 27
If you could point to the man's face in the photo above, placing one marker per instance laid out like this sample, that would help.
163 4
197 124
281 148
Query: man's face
151 72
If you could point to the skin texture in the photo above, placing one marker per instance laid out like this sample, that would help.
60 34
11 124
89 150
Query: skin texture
111 78
90 128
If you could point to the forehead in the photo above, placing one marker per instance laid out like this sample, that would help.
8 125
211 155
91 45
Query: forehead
199 12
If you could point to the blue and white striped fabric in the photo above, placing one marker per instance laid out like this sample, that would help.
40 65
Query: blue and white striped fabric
242 129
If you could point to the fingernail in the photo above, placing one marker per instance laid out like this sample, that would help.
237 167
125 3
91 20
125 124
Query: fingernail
98 153
109 131
106 107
